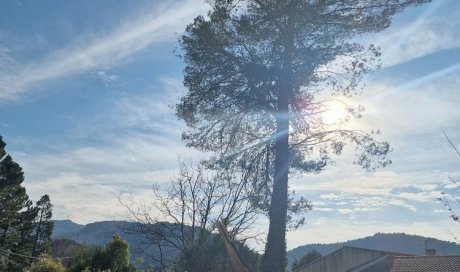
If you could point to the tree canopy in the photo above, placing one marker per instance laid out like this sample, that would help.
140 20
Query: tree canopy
257 72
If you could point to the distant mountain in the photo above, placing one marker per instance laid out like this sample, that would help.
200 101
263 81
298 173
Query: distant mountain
64 228
394 242
100 233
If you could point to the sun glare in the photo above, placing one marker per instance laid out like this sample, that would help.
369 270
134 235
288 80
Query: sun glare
334 116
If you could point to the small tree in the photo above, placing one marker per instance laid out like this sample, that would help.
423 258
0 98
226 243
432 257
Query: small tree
182 216
43 226
117 254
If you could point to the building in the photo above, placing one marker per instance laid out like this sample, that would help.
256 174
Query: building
352 259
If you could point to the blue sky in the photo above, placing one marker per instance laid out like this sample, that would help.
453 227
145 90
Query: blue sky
85 95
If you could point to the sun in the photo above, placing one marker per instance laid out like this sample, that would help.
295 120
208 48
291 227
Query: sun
334 116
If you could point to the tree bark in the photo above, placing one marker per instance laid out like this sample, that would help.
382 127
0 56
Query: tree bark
274 258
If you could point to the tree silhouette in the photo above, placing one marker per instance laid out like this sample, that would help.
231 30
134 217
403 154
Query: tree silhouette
43 226
256 72
182 217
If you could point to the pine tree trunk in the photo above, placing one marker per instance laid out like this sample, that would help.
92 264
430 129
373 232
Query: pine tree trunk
37 235
274 258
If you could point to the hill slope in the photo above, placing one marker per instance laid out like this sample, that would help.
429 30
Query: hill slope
64 228
394 242
100 233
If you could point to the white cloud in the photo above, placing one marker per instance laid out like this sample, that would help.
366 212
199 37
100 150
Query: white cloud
422 197
76 197
107 78
130 38
330 196
324 209
345 211
358 195
138 144
7 63
88 179
354 182
401 203
419 107
431 31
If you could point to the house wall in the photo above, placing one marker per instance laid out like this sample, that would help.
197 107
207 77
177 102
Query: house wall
342 260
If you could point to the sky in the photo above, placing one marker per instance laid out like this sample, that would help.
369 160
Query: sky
86 89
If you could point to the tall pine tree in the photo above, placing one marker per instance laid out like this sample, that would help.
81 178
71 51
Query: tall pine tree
257 72
43 226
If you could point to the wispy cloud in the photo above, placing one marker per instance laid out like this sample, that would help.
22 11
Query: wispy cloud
132 37
427 33
127 163
351 196
138 143
106 77
6 62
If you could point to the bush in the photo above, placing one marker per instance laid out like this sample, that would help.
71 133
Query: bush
112 257
46 263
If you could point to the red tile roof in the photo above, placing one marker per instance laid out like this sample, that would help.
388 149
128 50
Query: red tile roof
426 263
413 264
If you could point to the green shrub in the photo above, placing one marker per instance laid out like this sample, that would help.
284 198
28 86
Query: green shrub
46 263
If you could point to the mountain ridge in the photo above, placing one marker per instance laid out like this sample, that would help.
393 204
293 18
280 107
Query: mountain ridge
100 233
